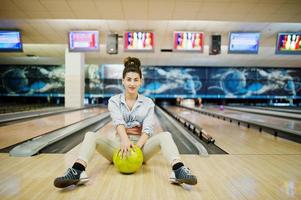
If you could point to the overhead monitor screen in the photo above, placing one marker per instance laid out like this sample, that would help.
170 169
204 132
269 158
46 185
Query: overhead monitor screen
83 41
10 41
138 41
244 42
188 41
288 43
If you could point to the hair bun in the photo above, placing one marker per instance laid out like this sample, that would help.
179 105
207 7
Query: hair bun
131 61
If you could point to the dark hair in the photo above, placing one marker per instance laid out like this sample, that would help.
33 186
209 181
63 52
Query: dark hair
131 64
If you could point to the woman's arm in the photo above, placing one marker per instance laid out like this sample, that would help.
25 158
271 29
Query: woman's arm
125 143
142 140
119 123
147 127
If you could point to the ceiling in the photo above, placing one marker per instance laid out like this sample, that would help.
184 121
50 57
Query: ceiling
45 24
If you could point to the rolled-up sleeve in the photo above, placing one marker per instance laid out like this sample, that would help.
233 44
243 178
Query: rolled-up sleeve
115 113
148 121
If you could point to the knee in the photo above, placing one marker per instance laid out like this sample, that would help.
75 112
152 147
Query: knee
166 134
90 135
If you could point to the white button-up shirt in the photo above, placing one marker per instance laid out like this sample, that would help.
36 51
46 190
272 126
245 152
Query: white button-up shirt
142 113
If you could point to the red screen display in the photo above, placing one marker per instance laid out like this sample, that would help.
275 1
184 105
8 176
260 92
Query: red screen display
188 41
81 41
139 41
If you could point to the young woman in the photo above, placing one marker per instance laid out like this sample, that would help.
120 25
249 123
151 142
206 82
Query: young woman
132 116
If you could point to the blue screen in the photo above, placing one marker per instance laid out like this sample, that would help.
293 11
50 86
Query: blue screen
240 42
159 81
10 41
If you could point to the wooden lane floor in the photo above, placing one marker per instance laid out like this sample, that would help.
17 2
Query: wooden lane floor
291 124
236 139
220 177
18 132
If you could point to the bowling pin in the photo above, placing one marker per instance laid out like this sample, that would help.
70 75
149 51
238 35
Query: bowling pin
189 40
221 107
180 41
297 42
288 42
130 40
135 38
197 41
148 41
293 42
184 42
284 42
140 40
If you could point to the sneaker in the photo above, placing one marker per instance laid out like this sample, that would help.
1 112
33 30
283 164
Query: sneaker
71 177
183 175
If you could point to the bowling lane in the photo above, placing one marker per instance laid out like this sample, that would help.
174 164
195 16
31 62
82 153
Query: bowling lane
296 110
19 115
236 139
18 132
226 177
278 114
279 123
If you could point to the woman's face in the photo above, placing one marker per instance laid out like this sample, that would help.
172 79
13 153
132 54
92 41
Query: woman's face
132 82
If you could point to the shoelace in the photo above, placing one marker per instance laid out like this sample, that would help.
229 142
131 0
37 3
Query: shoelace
73 171
187 170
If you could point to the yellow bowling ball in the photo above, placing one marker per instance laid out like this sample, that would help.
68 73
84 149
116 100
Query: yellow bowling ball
129 164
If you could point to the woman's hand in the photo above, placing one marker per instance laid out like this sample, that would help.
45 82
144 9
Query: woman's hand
125 145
